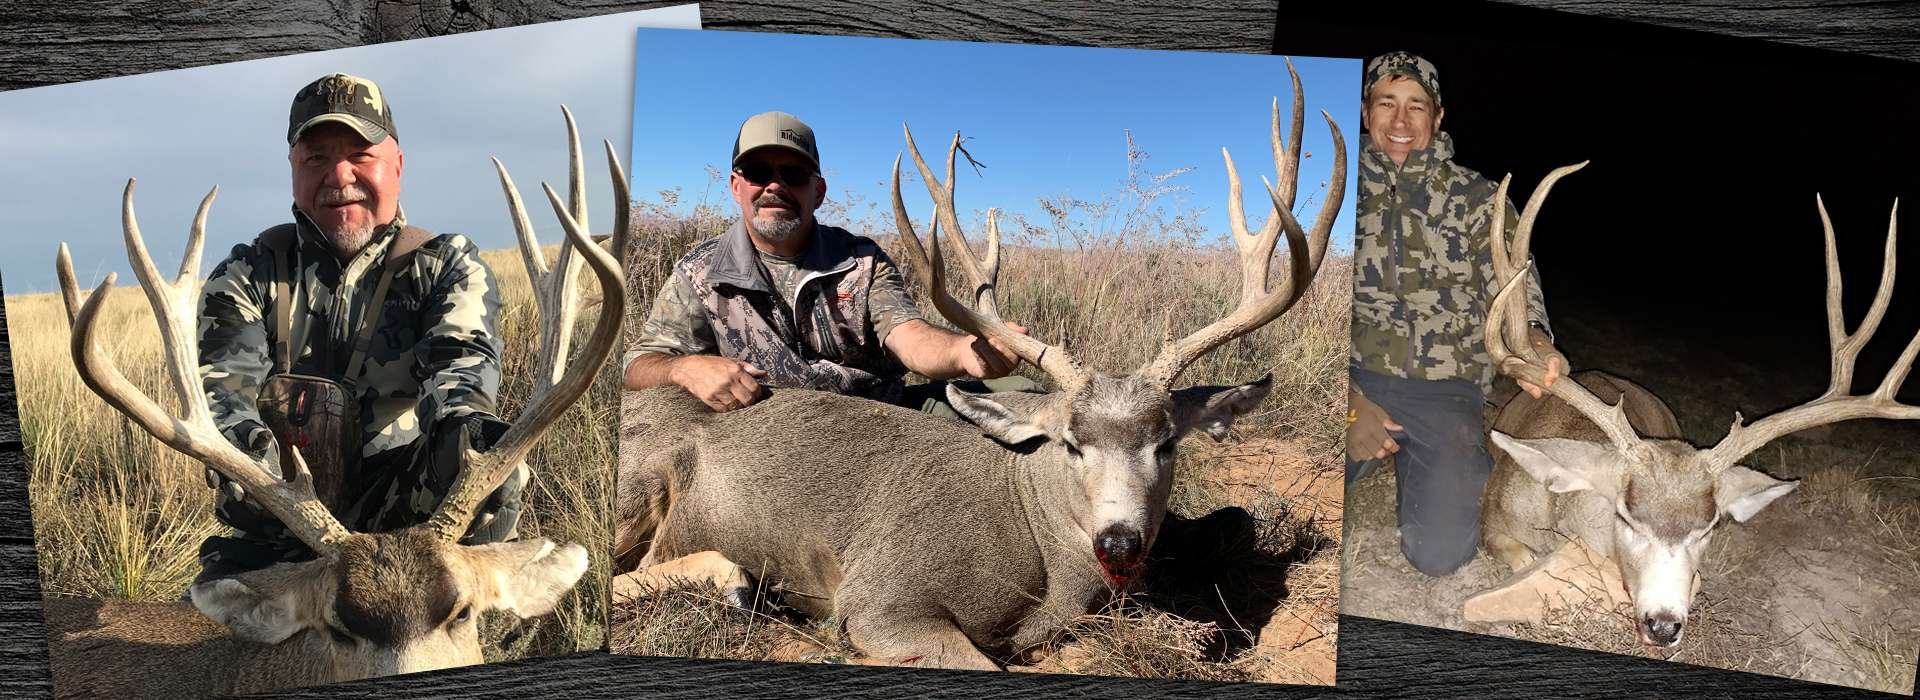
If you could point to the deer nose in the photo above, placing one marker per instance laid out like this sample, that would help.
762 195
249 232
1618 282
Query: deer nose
1663 629
1118 546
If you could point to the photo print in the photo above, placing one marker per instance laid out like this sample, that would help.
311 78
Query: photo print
360 431
960 355
1720 465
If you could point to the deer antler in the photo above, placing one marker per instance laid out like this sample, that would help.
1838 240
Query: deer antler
1258 306
174 307
983 319
1506 340
1837 404
485 471
555 288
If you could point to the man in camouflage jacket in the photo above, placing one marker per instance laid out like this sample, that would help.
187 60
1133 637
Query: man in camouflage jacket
1423 279
783 300
426 377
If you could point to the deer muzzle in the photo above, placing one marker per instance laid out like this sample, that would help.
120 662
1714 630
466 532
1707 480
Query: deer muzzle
1121 550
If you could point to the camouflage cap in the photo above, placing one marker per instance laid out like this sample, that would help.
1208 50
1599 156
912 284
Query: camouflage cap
338 97
776 129
1402 63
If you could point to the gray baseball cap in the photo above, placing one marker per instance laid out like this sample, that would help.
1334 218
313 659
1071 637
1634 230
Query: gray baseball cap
338 97
776 129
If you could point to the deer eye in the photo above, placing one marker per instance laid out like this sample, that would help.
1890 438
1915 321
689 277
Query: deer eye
465 614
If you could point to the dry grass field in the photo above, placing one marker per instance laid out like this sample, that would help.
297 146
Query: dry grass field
119 516
1106 278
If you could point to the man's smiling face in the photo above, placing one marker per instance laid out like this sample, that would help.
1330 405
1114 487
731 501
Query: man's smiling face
1400 117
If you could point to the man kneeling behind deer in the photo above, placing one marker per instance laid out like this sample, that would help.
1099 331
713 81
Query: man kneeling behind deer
401 589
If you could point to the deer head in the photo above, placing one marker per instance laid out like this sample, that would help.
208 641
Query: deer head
1117 434
379 603
1668 495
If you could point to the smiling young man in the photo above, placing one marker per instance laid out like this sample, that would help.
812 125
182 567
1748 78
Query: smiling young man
1423 264
368 343
782 300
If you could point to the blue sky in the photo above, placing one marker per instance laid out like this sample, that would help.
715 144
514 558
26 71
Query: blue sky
1045 120
69 149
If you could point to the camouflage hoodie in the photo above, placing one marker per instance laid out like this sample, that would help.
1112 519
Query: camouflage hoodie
1423 267
829 334
435 352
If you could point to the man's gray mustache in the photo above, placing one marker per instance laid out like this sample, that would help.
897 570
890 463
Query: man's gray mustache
350 193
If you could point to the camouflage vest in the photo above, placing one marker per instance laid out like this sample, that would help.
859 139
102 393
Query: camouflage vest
1423 267
819 339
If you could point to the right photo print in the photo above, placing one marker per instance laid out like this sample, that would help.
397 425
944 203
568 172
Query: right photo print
1630 357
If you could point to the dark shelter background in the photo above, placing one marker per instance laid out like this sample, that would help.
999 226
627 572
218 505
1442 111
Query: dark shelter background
1694 232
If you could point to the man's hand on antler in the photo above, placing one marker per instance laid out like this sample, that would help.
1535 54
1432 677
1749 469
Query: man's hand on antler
982 358
1556 362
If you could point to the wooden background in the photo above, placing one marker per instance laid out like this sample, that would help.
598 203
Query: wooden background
45 42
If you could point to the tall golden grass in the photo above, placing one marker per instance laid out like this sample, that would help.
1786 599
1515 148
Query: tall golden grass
117 515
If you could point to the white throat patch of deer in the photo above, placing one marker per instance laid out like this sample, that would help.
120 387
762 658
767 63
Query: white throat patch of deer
1605 465
368 604
934 541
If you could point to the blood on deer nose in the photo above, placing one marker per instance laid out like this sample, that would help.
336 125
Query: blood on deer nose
1119 549
1662 629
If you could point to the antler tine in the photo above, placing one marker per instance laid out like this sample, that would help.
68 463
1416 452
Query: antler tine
1837 404
1507 317
69 287
981 279
1259 306
623 207
291 500
1286 158
486 471
556 288
984 322
174 303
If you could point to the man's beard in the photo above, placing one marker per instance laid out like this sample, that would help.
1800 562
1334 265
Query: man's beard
347 241
781 228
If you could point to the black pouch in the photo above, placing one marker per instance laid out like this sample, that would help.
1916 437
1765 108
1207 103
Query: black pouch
321 418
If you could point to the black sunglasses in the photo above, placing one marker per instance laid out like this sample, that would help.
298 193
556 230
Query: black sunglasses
791 175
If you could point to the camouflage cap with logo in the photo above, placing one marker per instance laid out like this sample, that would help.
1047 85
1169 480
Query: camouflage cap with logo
1402 63
776 129
338 97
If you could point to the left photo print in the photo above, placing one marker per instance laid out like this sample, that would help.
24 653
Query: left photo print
309 356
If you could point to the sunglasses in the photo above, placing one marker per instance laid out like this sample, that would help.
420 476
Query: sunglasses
760 174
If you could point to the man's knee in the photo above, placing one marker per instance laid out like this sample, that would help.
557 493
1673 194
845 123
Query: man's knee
1440 553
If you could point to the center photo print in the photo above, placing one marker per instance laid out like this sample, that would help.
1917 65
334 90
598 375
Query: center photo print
991 357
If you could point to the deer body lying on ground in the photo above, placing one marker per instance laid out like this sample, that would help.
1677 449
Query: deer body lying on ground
1601 462
936 542
368 604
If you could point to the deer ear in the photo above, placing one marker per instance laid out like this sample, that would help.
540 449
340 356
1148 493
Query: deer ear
265 606
531 576
1212 409
1563 465
995 419
1742 492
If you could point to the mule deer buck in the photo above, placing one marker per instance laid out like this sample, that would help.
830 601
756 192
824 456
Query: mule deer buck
1605 465
935 542
369 604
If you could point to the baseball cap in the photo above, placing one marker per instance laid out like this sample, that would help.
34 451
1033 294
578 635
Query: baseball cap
1402 63
338 97
776 129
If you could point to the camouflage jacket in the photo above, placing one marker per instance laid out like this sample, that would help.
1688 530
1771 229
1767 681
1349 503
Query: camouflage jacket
1423 267
829 335
435 352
